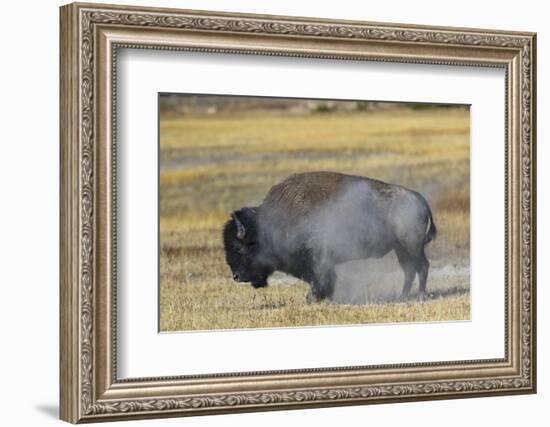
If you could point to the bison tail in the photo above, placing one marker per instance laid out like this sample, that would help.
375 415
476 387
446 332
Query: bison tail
431 230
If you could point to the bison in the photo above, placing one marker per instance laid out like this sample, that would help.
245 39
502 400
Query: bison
311 222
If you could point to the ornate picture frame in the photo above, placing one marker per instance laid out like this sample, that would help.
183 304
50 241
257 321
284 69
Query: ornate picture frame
90 37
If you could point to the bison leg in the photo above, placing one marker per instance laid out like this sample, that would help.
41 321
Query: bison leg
328 281
422 267
408 265
322 286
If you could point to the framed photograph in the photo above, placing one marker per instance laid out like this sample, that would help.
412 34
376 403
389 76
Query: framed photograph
265 212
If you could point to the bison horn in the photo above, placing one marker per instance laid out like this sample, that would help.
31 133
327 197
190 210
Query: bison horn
241 231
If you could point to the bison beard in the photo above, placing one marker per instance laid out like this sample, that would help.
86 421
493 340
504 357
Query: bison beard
311 222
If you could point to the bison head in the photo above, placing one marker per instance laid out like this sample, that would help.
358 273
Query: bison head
242 251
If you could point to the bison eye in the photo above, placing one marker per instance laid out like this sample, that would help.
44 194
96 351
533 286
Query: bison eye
251 245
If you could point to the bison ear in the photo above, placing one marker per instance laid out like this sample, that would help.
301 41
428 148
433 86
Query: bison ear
241 230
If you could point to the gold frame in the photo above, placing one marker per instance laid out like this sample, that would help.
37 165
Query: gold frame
90 36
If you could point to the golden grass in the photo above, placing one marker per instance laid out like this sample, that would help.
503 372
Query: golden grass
213 165
192 222
235 306
293 164
315 132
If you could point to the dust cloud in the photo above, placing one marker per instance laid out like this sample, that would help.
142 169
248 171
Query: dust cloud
341 227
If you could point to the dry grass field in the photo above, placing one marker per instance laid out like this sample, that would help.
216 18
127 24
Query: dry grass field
213 164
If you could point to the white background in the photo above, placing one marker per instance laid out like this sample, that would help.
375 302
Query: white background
29 173
145 353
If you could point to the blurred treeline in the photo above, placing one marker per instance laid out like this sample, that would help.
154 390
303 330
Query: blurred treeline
211 105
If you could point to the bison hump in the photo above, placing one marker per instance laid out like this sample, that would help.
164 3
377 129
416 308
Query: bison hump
302 193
